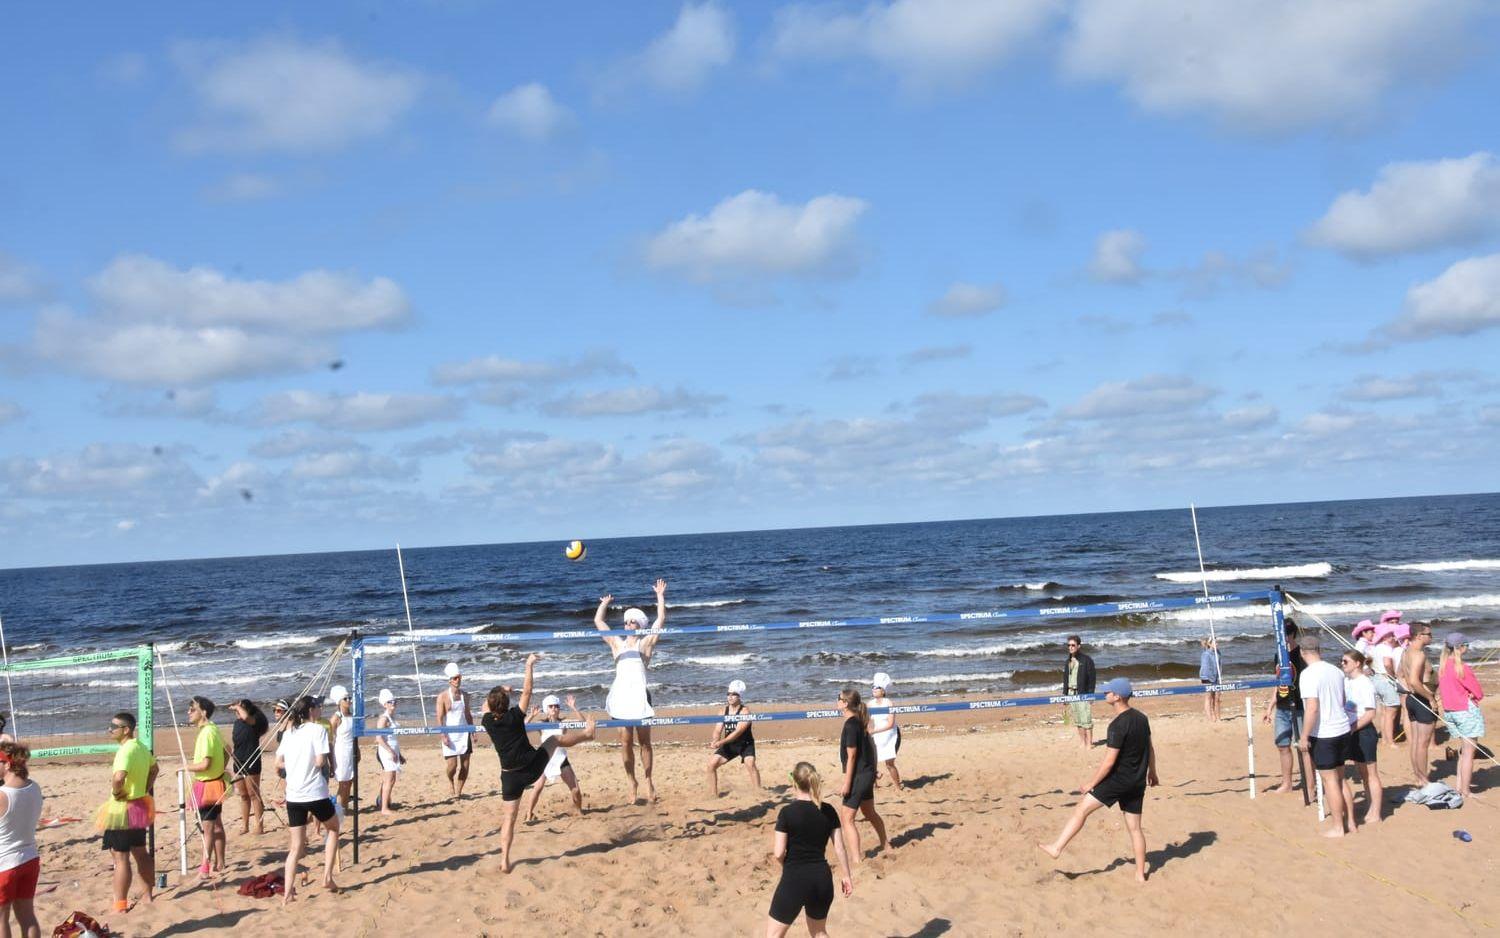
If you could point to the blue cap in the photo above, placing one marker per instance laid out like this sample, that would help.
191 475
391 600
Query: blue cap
1120 687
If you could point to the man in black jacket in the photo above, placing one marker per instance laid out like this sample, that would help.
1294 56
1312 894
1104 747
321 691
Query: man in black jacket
1078 678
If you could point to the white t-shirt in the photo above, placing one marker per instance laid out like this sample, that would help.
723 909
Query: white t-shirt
300 748
1359 696
1383 658
1325 682
18 825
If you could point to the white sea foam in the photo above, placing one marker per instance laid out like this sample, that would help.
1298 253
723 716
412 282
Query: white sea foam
125 666
716 661
431 633
1444 566
707 604
276 641
920 679
1413 608
1306 571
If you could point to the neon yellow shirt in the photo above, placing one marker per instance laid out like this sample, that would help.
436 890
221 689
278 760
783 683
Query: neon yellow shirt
210 746
135 760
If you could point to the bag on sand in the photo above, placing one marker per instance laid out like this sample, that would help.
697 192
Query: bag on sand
79 925
263 887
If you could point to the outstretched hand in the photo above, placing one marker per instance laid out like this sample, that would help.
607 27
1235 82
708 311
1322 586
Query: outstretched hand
533 658
660 587
606 599
571 701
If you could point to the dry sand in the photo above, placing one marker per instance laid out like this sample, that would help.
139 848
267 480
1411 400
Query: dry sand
983 788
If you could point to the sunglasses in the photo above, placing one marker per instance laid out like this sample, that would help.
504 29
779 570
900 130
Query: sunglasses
117 726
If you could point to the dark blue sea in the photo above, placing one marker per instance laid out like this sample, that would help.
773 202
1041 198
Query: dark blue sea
260 626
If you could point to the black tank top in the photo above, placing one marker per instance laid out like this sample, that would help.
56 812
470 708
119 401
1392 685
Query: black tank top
729 725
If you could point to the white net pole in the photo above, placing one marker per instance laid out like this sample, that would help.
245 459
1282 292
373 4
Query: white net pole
1203 574
9 696
416 668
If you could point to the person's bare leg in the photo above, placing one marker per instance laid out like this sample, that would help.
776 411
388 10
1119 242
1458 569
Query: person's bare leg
1349 802
775 929
330 852
1208 707
647 756
508 811
851 833
1420 736
1086 806
1466 767
387 790
122 875
242 788
890 766
754 773
817 927
257 803
25 911
450 765
145 865
1138 842
293 859
1375 792
714 761
1284 753
867 808
536 795
1333 794
463 772
627 757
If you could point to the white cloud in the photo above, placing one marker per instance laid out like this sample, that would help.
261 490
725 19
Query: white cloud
953 410
620 402
199 403
927 42
851 367
1263 269
1462 300
1393 387
352 463
101 470
359 411
681 59
125 524
285 95
756 233
1117 257
937 353
19 283
529 111
532 468
300 443
1415 206
1152 394
137 287
968 300
498 370
244 187
1271 66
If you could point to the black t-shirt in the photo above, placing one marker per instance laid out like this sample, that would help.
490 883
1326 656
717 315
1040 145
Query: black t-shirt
1130 732
808 828
855 737
508 733
247 737
1286 696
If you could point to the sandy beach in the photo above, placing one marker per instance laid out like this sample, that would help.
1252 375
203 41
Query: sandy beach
982 789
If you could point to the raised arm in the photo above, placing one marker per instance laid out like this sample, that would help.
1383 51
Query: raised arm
599 621
531 661
649 642
572 703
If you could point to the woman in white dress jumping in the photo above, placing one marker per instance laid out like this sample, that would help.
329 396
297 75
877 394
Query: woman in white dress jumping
628 698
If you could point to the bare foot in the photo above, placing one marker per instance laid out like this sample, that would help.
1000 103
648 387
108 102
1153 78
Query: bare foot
287 896
1047 849
1140 877
505 866
332 886
1334 833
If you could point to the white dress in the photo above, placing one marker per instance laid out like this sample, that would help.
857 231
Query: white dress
883 729
627 698
391 762
343 750
559 757
455 744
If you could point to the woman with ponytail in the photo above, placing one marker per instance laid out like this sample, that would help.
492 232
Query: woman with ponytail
803 830
20 861
857 759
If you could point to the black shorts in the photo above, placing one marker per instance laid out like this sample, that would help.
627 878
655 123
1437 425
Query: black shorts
297 811
1110 793
741 748
1419 710
1362 746
514 782
862 790
210 812
125 840
806 886
1330 752
247 766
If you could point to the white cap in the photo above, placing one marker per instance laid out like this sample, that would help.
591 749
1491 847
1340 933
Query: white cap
635 615
386 696
551 701
737 687
450 670
881 680
339 692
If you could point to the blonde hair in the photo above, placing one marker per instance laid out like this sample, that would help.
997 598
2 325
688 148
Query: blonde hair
805 776
1451 653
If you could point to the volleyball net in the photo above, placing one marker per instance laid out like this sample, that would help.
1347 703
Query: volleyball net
55 704
1273 599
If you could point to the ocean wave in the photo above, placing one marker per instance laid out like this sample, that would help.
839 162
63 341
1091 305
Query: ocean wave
1412 608
1040 586
715 661
920 679
276 641
707 604
1306 571
125 666
1444 566
438 633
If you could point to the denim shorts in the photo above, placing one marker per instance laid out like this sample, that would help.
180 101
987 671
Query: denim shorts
1288 727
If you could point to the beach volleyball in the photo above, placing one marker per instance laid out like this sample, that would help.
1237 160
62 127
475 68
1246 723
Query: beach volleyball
575 550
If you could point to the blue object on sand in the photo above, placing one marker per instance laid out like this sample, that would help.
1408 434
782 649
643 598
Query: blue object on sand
1463 835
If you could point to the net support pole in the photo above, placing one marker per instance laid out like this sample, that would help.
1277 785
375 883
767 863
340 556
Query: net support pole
1213 636
357 664
1321 812
181 822
145 719
416 669
1250 745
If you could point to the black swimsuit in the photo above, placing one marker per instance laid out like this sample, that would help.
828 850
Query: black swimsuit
742 747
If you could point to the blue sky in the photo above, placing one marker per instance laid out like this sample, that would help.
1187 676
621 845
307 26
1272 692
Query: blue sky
313 278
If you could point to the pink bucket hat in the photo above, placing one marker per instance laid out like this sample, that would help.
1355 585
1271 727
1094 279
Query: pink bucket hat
1365 625
1390 615
1402 631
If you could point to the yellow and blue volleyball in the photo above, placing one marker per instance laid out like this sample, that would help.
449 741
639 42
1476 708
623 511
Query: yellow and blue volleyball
575 550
